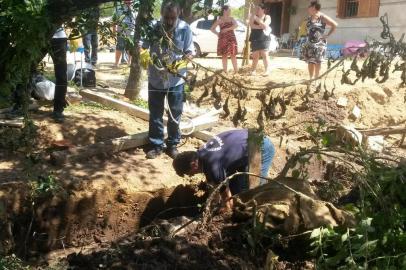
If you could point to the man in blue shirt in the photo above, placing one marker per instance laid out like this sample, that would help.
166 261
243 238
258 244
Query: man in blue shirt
171 41
222 156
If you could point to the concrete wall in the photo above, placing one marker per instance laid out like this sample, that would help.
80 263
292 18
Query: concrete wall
356 28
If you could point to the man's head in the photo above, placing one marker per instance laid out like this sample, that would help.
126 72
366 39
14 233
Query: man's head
170 13
187 163
127 2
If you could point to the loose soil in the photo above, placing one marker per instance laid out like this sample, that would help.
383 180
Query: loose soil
103 201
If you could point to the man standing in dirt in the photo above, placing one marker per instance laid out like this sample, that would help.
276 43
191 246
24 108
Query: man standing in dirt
224 155
171 41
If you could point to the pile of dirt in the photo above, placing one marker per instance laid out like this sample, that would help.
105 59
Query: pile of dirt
220 245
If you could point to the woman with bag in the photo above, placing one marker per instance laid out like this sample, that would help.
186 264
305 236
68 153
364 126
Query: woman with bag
260 37
227 42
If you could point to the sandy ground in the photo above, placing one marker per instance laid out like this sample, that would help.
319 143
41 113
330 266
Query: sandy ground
109 195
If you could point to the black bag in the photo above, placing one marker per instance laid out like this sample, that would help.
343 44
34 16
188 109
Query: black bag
88 79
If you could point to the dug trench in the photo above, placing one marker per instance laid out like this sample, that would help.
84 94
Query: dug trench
34 224
71 217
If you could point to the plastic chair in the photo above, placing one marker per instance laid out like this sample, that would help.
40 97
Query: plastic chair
285 40
334 51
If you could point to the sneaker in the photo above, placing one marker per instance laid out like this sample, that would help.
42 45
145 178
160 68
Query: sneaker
172 151
154 153
58 117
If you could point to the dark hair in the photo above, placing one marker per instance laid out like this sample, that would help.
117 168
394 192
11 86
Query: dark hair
224 8
182 162
316 5
170 5
262 6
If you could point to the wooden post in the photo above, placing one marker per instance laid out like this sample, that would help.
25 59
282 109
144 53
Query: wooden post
139 112
247 48
112 146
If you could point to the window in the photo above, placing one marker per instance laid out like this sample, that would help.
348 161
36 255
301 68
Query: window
347 9
204 24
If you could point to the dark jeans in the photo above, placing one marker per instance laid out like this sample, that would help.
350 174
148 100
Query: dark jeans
58 54
156 103
91 44
240 183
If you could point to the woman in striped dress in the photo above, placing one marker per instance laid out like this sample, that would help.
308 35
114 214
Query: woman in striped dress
227 42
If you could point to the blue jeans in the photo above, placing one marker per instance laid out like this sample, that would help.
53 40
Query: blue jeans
156 102
240 183
267 155
91 44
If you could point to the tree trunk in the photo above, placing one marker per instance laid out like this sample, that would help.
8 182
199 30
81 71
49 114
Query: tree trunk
132 89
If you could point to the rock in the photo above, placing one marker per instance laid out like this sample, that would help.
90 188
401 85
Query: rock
73 98
349 134
375 143
342 102
355 113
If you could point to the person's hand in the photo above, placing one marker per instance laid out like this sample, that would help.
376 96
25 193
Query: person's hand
188 56
324 37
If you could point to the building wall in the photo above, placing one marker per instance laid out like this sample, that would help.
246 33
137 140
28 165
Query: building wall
356 28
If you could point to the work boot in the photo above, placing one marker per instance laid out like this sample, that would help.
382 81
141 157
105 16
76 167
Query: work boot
172 151
155 152
58 117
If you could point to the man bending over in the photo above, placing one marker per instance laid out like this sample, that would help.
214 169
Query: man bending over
222 156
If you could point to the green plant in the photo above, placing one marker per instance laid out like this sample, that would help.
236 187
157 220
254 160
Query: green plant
140 103
43 186
12 262
378 241
257 235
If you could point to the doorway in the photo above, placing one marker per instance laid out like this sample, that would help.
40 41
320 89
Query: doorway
275 10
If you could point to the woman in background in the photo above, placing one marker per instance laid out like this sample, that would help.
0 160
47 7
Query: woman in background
227 42
314 50
260 39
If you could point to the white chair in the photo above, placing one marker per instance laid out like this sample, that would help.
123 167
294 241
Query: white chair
285 41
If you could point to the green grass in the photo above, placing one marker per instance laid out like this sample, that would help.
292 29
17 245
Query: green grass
140 103
88 105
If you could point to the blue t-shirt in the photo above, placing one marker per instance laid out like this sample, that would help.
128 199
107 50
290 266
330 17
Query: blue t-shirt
224 155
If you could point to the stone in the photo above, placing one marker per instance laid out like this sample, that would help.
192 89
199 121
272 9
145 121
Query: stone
355 113
342 102
73 98
349 134
375 143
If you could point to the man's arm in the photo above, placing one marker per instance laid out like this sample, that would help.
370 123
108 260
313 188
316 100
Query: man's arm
225 197
216 175
188 47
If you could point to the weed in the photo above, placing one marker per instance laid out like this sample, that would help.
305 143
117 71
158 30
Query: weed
12 263
140 103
